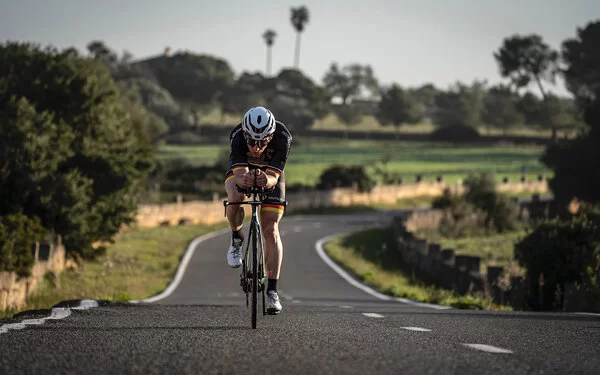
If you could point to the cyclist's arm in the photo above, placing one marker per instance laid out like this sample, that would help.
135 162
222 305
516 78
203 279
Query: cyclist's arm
277 163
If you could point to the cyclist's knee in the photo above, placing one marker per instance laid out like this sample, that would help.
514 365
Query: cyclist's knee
270 229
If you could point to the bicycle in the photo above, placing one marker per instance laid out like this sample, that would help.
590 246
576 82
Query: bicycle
253 280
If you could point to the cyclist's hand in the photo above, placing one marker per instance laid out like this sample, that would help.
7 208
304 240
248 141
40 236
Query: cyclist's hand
248 181
261 178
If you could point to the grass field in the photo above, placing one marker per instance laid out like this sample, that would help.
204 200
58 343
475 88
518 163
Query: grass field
141 263
309 157
365 255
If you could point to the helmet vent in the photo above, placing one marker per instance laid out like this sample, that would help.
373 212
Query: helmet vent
259 119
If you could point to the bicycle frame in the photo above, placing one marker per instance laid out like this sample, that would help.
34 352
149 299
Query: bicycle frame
253 281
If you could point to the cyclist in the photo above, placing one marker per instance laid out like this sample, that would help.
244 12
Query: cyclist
260 146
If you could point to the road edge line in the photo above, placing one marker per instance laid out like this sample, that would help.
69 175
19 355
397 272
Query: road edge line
351 280
185 260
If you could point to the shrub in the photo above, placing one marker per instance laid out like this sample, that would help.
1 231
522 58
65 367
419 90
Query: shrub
455 134
563 251
346 176
18 234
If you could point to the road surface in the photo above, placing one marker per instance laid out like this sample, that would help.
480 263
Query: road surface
327 326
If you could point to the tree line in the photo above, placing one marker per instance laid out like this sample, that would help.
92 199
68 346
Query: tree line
178 89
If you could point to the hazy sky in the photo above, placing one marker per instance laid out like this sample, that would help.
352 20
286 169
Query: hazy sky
407 42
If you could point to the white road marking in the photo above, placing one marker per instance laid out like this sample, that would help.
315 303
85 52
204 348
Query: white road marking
587 313
373 315
282 233
488 348
359 285
56 313
317 225
297 229
189 252
418 329
422 304
296 301
345 307
344 274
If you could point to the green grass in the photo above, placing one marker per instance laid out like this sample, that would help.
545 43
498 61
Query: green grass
141 263
309 157
364 254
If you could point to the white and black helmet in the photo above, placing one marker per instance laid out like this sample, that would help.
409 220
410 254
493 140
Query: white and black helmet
258 123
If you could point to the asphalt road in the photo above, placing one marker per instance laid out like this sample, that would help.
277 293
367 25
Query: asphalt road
327 326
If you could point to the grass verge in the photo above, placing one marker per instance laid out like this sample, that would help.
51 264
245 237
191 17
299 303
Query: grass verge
367 256
140 263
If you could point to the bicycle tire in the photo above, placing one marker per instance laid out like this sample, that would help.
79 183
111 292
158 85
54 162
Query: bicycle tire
254 239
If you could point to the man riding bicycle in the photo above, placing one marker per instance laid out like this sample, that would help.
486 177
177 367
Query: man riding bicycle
260 146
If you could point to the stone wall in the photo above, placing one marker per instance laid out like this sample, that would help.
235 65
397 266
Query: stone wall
14 290
464 274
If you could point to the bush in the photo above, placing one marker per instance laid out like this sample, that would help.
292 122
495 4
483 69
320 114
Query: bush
18 234
563 251
455 134
346 176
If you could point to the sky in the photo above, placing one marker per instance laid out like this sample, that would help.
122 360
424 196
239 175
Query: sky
405 42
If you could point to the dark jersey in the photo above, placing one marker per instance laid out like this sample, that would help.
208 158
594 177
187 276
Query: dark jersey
272 159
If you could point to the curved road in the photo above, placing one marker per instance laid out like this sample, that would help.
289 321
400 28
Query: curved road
327 326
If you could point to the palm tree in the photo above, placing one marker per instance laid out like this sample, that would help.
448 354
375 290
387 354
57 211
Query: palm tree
269 37
299 19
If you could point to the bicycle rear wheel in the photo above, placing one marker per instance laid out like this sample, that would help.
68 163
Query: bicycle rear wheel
254 239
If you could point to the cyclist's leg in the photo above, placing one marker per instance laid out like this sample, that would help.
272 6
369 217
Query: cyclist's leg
270 215
235 216
235 213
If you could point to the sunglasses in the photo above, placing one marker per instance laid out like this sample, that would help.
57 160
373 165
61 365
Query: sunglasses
254 142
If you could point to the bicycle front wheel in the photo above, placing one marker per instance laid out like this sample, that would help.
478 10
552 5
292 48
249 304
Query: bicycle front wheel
254 239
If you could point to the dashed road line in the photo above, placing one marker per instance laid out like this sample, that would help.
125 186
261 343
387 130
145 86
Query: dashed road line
489 348
373 315
418 329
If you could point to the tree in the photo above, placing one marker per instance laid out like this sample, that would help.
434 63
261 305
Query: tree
249 90
397 107
69 152
524 59
350 81
296 99
576 164
269 37
299 18
195 81
461 105
581 56
500 108
425 95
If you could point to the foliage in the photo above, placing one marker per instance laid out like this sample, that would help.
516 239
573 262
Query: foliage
582 59
526 58
349 81
455 134
563 251
481 192
346 176
500 108
459 106
576 164
69 152
397 107
18 234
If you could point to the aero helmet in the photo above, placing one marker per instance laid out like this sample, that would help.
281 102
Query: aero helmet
258 123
